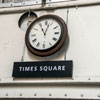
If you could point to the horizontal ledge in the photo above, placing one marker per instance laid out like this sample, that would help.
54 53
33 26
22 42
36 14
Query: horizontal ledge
51 83
43 99
48 6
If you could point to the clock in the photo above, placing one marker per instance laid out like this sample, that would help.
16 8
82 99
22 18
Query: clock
46 35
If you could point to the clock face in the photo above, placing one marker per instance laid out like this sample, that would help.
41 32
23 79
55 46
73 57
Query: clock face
46 35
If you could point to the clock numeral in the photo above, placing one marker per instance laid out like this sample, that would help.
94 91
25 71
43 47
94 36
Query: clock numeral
40 24
50 44
43 45
51 24
56 32
54 39
33 35
38 44
35 29
46 22
34 40
55 27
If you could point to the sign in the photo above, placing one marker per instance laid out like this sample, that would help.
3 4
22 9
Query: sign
42 69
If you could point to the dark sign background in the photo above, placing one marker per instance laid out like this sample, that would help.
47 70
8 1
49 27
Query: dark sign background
40 69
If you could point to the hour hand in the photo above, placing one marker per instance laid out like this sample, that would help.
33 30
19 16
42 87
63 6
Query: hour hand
42 28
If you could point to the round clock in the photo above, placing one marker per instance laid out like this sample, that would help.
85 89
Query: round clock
46 35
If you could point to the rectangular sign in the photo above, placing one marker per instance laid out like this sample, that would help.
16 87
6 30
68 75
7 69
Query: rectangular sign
42 69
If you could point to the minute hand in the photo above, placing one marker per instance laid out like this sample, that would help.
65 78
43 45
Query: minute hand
46 29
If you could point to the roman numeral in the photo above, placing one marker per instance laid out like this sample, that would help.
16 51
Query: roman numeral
51 24
55 27
46 22
56 32
34 40
43 45
54 39
38 44
35 29
33 35
40 24
50 44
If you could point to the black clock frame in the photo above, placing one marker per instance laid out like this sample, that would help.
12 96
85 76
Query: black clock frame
54 48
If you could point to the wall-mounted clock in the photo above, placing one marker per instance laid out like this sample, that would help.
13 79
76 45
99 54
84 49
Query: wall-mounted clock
46 35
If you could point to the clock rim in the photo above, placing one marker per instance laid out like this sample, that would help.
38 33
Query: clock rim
55 47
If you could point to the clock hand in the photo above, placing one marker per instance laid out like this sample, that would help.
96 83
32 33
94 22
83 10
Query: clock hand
46 29
42 29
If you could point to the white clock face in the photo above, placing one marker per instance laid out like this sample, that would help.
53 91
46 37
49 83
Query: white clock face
44 34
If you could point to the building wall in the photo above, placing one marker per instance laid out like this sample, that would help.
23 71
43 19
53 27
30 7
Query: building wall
82 46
